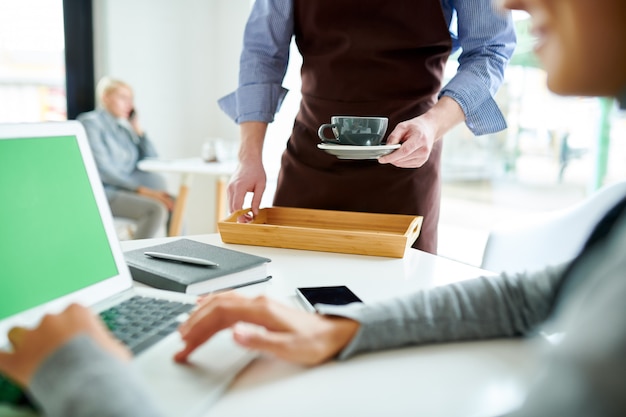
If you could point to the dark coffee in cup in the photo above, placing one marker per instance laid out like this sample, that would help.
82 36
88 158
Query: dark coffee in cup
354 130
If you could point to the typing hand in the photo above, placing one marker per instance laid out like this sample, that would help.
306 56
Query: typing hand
32 346
287 333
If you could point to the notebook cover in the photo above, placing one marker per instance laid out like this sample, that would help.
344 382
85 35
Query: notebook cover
182 277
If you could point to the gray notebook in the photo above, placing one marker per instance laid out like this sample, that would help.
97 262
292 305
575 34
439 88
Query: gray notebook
235 269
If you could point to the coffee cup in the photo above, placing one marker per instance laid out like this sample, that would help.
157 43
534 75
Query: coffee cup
354 130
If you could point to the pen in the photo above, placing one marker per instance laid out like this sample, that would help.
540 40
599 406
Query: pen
181 258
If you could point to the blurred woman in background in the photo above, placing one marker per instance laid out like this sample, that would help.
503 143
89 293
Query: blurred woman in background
118 143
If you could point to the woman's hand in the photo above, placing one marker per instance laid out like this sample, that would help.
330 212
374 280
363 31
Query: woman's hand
287 333
134 123
162 196
31 347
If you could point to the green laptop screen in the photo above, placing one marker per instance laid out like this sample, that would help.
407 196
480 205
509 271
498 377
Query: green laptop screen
52 240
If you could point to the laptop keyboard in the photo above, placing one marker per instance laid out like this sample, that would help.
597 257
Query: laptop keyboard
140 322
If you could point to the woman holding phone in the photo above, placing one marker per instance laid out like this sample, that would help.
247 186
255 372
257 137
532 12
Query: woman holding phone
118 143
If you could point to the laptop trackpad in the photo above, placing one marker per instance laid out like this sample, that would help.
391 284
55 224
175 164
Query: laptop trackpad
189 390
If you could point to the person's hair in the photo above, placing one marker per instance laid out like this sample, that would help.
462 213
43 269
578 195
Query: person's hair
105 86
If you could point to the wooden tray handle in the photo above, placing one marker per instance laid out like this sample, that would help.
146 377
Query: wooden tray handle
414 229
235 215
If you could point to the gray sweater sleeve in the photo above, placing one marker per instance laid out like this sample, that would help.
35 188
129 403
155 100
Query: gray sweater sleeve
482 308
82 380
584 374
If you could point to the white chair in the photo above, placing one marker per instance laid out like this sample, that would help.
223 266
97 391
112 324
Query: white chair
125 228
554 238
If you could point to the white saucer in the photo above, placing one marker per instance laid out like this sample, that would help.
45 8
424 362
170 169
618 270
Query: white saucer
357 152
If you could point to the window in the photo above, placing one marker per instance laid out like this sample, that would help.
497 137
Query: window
32 64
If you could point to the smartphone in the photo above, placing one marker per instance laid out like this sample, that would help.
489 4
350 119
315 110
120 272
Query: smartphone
132 114
336 295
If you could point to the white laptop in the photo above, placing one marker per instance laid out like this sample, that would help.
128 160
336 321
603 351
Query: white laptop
58 245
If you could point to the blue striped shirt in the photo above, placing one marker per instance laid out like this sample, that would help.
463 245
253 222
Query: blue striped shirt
484 34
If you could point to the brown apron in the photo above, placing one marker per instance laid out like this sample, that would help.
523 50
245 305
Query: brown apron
365 58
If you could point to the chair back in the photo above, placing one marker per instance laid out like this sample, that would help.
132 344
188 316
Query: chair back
555 238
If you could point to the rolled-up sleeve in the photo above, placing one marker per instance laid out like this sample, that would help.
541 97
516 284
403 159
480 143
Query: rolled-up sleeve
263 63
486 37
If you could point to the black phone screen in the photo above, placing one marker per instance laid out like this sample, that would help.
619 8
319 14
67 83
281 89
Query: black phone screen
335 295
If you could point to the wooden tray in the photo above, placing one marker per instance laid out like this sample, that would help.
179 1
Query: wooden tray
324 230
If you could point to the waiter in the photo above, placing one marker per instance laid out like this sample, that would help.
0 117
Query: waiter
367 58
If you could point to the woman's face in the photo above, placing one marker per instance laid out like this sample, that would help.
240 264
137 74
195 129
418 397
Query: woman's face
582 43
119 102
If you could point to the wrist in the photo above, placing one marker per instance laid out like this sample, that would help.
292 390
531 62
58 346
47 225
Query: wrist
252 140
342 331
444 116
250 156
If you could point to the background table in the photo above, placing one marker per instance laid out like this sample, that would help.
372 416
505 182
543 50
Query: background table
187 168
455 379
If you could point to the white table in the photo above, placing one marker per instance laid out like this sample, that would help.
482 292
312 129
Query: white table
188 167
459 379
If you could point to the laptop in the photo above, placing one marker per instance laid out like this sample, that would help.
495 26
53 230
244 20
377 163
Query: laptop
58 245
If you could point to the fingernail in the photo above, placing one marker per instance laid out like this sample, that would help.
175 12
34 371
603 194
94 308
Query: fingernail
16 335
242 332
245 331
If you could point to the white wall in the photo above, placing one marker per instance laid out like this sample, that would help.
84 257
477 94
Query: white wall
180 57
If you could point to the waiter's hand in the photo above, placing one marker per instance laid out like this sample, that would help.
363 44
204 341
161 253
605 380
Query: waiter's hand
248 178
250 175
418 135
